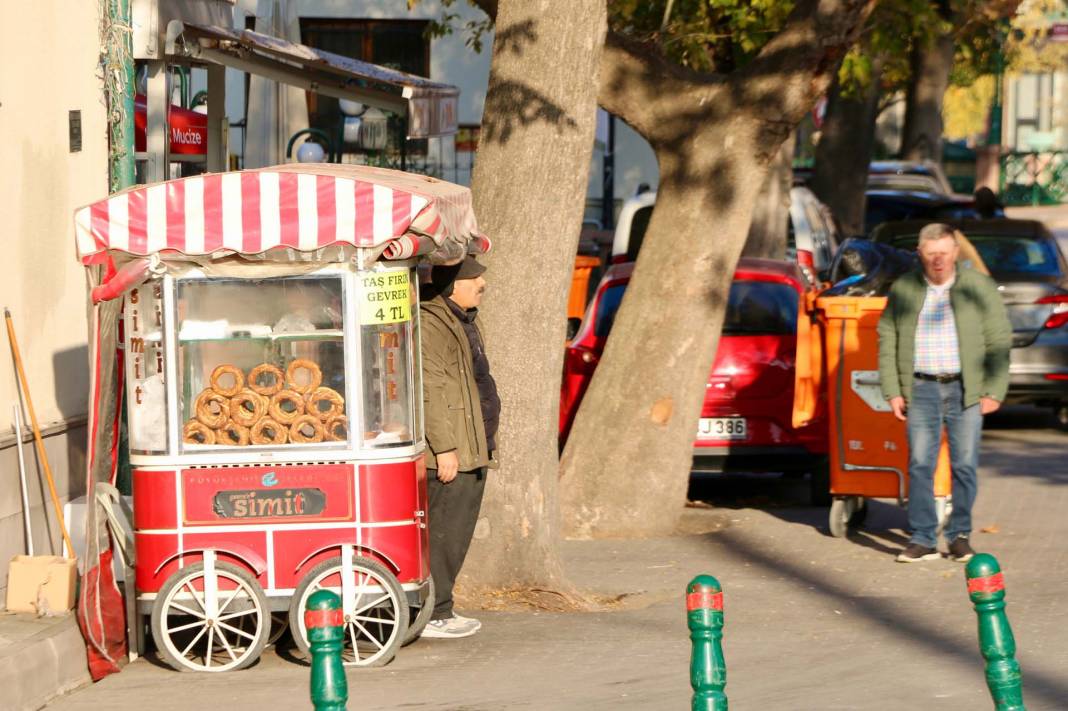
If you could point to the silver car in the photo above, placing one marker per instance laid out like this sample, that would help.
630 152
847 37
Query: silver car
811 234
1032 275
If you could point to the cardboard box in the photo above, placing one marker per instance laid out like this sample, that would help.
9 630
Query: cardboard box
43 584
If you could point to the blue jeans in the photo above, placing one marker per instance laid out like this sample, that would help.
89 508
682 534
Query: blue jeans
934 405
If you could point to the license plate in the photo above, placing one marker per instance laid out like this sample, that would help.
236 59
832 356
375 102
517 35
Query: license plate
722 428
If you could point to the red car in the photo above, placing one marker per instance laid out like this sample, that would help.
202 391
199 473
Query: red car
745 421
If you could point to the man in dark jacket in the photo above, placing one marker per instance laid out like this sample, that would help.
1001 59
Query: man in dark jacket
462 410
944 340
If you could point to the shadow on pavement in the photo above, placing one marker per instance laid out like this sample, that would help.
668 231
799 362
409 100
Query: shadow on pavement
883 612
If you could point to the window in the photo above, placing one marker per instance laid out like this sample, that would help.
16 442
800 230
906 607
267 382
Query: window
261 362
397 44
761 307
753 307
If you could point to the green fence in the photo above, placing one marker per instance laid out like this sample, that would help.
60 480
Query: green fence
1034 178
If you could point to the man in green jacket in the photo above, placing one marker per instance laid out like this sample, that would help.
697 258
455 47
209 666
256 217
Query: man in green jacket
944 341
461 410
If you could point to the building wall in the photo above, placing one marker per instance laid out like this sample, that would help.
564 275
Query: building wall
50 53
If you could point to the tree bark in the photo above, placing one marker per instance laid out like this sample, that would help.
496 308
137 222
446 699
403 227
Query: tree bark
627 461
843 154
771 213
529 186
922 134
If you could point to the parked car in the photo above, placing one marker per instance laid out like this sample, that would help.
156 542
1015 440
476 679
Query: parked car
811 233
895 205
745 421
1032 275
923 176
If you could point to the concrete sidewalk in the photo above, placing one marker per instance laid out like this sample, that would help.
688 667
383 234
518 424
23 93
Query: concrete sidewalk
40 658
812 622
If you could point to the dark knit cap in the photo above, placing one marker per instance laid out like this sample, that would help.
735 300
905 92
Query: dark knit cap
442 276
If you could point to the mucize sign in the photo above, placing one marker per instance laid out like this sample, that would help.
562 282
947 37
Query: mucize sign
269 503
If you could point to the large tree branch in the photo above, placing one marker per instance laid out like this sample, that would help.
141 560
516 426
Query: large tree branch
795 67
635 79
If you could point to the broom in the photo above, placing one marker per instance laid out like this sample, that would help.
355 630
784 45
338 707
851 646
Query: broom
37 431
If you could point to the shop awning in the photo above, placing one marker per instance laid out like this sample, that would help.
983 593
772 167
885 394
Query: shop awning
431 107
284 210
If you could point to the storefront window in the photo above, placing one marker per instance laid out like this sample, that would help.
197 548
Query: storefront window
261 363
387 309
147 396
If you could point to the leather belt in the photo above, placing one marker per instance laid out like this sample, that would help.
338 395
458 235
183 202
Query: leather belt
938 377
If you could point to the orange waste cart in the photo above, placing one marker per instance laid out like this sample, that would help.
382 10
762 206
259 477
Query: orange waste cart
838 368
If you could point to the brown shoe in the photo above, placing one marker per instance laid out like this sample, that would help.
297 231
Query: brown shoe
914 553
960 550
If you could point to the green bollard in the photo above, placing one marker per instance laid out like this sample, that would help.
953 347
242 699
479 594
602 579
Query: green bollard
986 588
704 616
326 633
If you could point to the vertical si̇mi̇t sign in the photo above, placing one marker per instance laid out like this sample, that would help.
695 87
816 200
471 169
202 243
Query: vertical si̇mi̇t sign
385 298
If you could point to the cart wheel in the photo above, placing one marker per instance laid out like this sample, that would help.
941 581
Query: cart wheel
279 625
376 611
420 615
196 630
846 512
819 483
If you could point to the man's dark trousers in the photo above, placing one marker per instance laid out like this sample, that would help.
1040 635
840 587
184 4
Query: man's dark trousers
451 520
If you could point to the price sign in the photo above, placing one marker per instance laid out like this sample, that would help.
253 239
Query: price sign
386 298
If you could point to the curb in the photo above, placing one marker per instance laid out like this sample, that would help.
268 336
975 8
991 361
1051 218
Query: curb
43 666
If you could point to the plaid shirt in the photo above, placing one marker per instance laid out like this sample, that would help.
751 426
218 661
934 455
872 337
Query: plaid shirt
937 351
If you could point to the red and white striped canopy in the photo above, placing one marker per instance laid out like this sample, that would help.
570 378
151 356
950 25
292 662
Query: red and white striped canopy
301 206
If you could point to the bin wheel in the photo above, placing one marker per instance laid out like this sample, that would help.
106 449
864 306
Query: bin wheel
820 483
420 615
846 512
1060 415
943 509
376 612
197 630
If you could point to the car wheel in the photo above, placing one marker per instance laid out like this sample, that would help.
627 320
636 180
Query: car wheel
819 483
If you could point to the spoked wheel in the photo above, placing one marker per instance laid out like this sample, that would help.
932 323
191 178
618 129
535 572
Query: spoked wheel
279 625
374 607
210 618
846 512
419 616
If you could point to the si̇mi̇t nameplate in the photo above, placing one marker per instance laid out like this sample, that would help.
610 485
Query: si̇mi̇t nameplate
249 504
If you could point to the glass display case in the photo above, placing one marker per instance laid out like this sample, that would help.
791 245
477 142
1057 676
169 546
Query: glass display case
324 361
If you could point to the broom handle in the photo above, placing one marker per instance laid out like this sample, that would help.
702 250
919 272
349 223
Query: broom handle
37 432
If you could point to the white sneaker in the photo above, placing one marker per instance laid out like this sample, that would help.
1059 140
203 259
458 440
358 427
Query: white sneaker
451 628
468 620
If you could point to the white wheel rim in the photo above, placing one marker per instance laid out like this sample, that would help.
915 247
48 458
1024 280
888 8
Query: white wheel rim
372 627
212 643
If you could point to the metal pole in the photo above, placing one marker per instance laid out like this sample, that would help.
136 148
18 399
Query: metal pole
22 479
608 178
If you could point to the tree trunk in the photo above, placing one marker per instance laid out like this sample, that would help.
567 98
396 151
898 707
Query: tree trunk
843 154
626 465
771 214
674 307
922 135
529 185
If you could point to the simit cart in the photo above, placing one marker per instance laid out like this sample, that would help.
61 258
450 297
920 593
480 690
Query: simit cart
274 400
